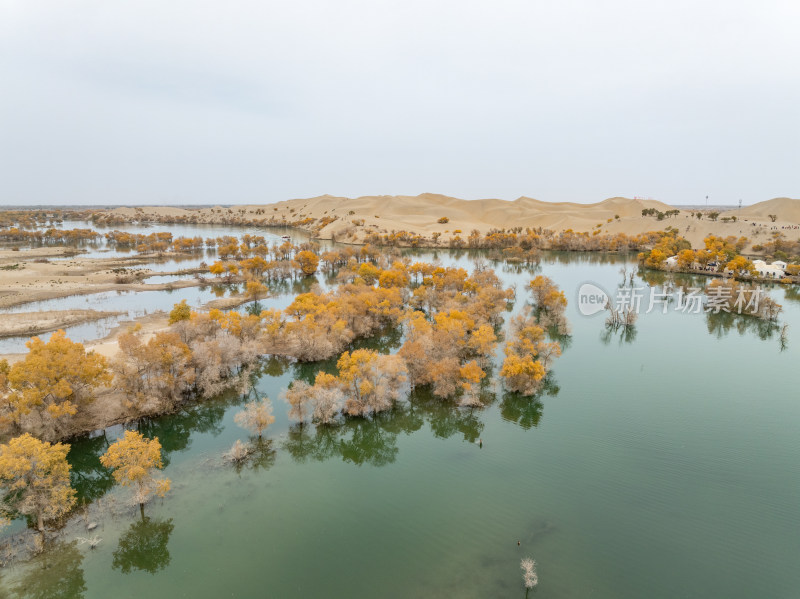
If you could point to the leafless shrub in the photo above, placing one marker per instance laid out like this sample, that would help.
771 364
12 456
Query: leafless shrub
239 452
529 575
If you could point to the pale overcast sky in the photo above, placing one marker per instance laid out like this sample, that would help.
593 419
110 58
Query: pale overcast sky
190 101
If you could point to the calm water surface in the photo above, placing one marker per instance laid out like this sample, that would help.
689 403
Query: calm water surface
134 304
656 464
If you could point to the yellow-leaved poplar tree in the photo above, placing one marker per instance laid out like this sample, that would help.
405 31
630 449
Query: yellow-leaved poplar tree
471 375
181 311
307 262
255 290
134 458
34 479
55 379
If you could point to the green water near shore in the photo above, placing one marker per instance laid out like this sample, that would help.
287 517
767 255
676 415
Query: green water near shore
658 464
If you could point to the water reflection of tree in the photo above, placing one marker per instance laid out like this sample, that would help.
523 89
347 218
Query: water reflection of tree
358 441
373 440
273 366
792 293
517 268
88 476
384 341
655 278
527 411
722 323
55 574
175 430
623 333
571 258
369 442
261 457
144 546
445 418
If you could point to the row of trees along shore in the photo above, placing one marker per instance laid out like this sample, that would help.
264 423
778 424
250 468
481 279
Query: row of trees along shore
720 256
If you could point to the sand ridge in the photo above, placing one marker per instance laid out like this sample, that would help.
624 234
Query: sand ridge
357 218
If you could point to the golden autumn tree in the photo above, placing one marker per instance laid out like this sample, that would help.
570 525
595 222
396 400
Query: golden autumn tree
256 416
550 304
471 375
370 382
741 266
232 269
255 290
181 311
686 259
217 269
368 272
656 258
300 400
540 287
394 277
527 355
482 342
354 369
54 379
34 479
522 373
134 458
307 262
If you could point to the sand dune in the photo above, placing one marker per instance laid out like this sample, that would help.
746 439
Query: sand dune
420 214
356 218
786 209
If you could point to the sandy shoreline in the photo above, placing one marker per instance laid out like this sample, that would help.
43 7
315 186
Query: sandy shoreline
21 324
24 281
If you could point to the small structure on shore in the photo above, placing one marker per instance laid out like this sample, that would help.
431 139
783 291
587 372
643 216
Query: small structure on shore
776 270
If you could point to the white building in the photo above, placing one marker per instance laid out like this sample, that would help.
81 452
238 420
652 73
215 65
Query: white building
776 270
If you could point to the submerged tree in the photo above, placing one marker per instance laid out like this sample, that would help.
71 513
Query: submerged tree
134 458
529 575
34 479
256 416
300 399
527 356
550 304
471 375
307 262
371 382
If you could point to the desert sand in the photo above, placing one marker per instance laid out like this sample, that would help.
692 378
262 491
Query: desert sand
358 217
786 209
